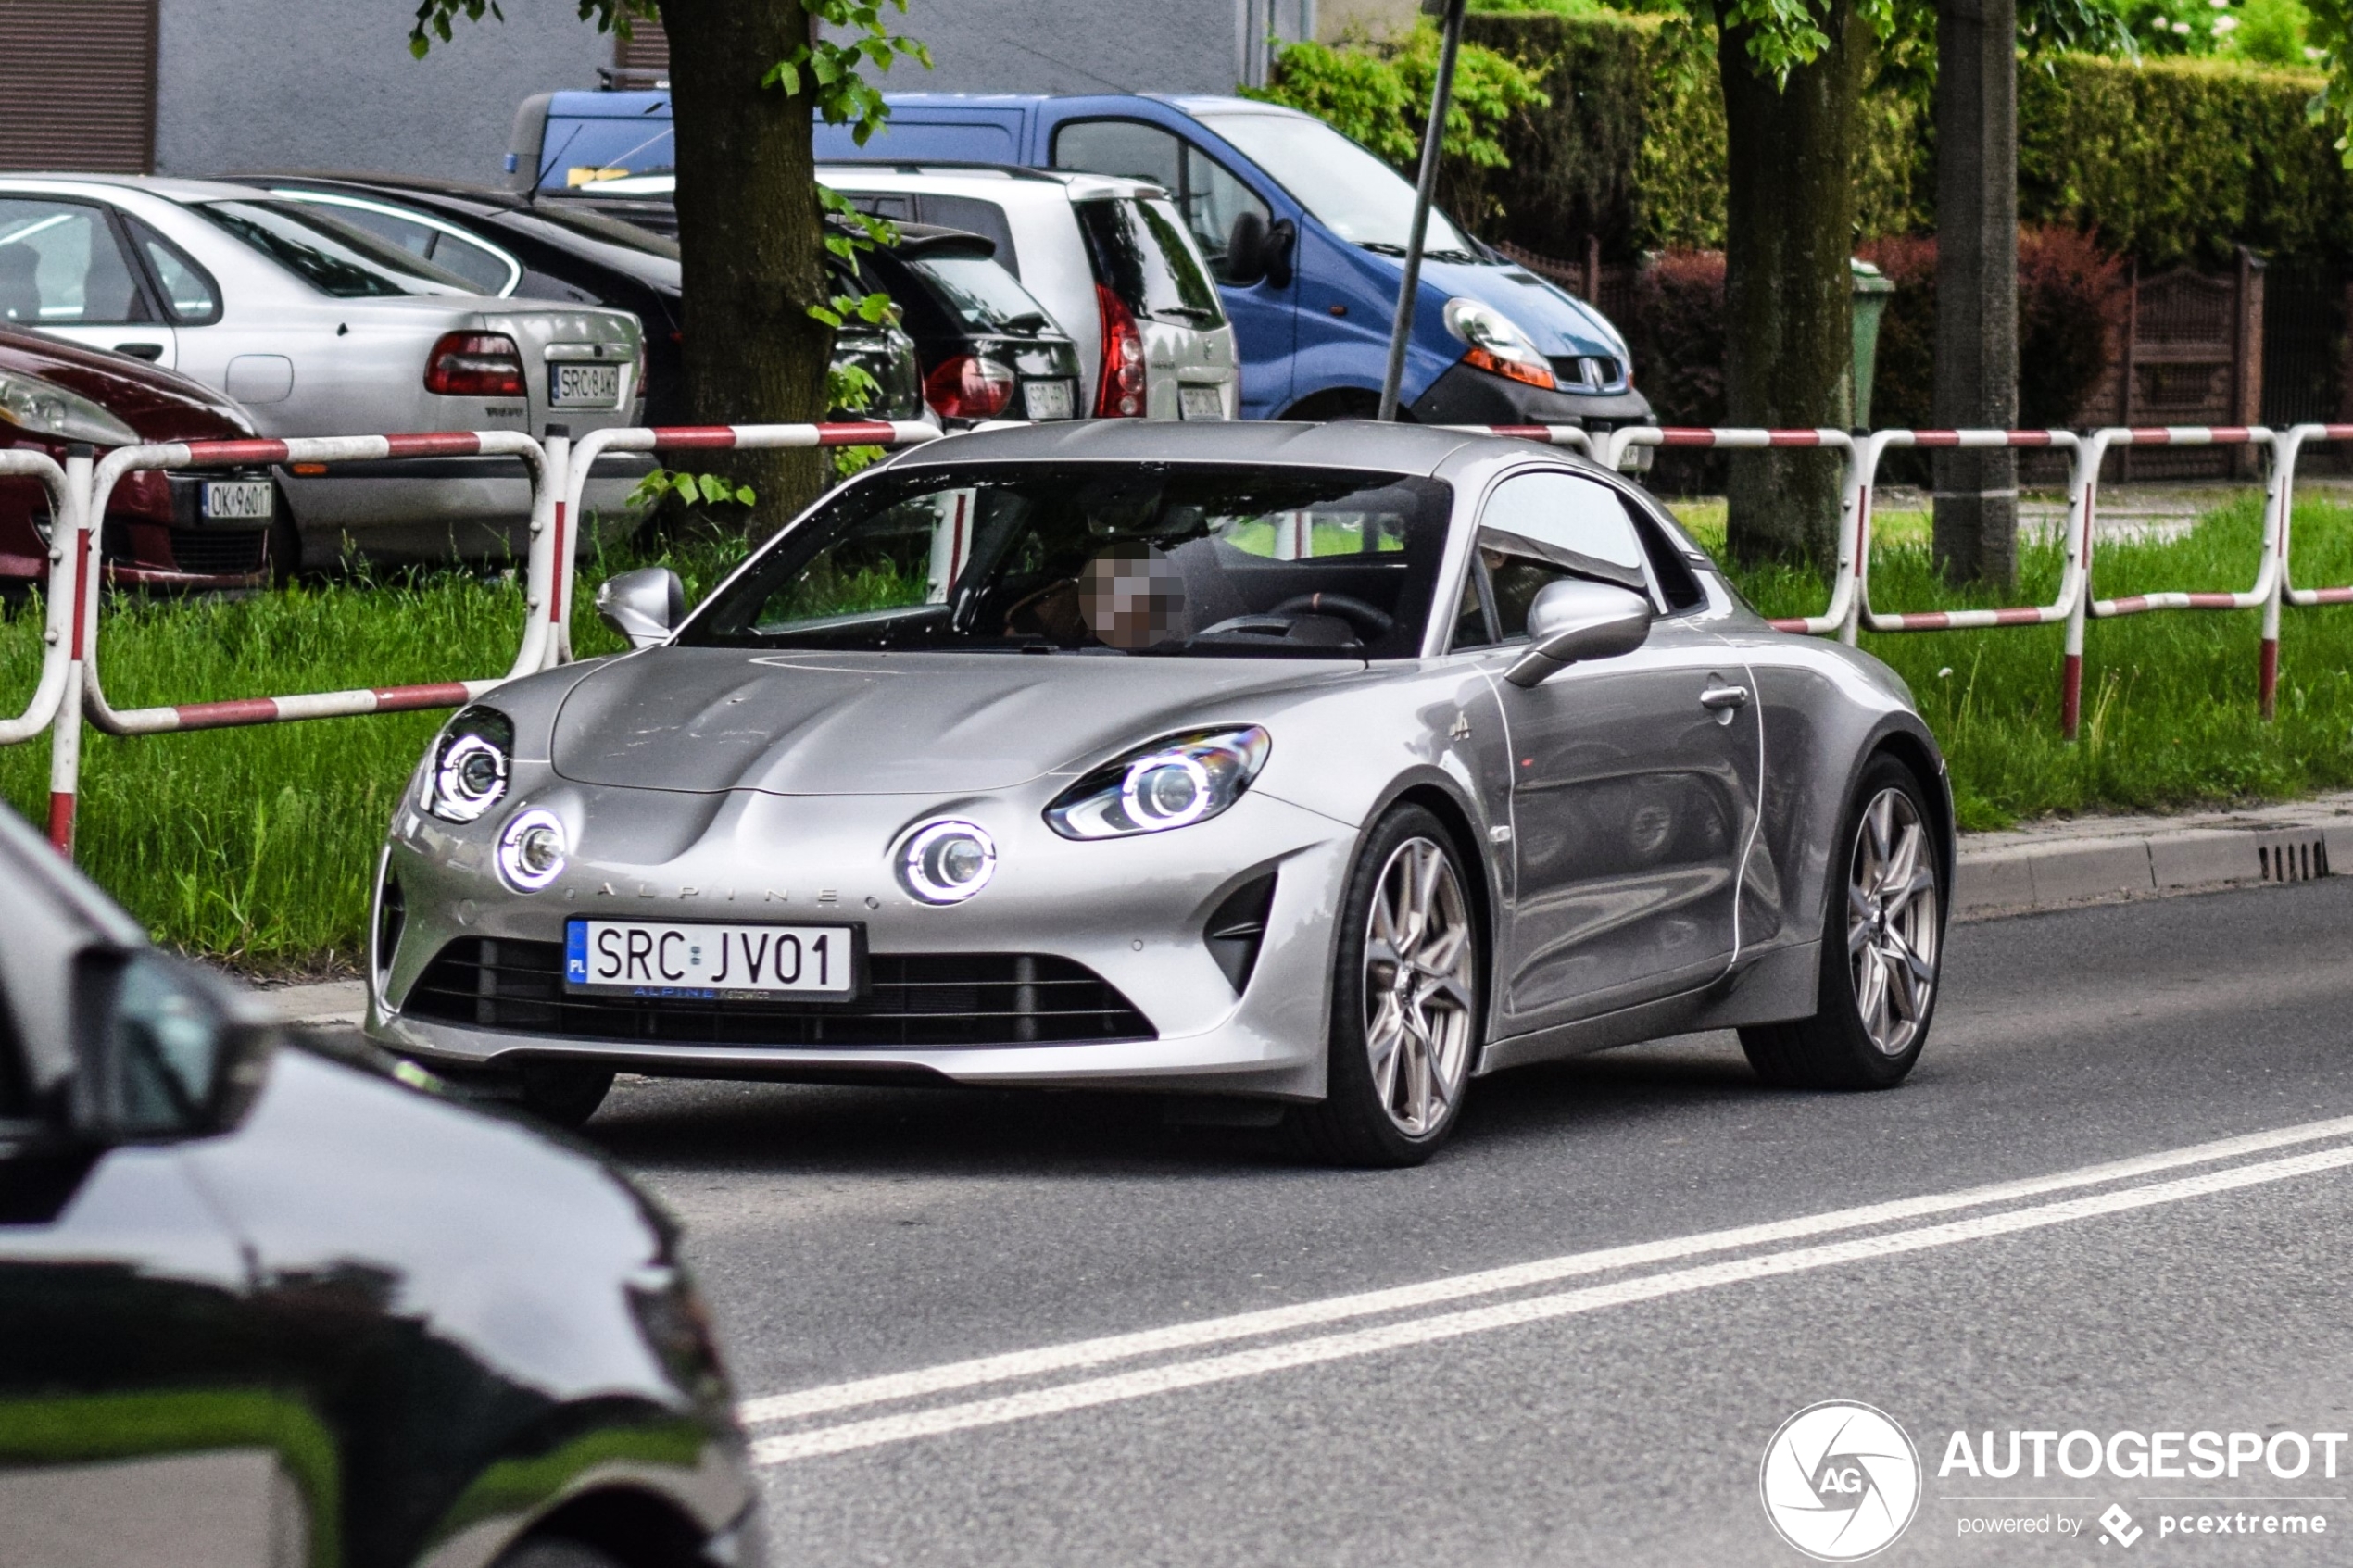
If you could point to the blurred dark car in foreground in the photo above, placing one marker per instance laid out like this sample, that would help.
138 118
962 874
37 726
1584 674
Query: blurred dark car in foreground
260 1302
199 529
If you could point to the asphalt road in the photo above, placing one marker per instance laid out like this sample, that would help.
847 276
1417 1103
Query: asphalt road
1575 1408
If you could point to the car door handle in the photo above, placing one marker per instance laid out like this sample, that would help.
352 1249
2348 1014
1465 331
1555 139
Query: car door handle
148 351
1721 698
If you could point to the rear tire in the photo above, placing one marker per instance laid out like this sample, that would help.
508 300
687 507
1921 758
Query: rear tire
563 1093
1406 990
1883 942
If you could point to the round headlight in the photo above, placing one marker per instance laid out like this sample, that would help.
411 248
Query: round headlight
1168 791
531 849
947 862
469 778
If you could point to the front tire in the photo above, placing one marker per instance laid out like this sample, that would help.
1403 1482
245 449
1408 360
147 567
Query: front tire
1883 941
1407 985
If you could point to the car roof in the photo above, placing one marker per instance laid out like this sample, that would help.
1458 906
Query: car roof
992 177
391 184
170 187
1354 443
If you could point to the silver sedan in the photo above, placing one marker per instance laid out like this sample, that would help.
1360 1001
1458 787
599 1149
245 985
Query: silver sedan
1330 767
317 328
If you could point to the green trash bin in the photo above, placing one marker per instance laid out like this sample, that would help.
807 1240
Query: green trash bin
1871 289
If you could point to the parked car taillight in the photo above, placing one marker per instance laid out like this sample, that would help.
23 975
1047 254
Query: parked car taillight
474 365
968 387
1120 393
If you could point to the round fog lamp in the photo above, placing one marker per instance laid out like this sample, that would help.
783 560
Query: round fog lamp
1166 791
947 862
532 850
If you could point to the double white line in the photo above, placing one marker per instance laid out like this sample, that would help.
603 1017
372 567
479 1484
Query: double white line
1178 1373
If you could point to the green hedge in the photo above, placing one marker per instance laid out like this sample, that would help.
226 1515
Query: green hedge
2169 160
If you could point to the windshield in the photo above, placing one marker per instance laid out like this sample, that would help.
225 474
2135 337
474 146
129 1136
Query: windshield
335 258
982 295
1350 191
1139 253
1108 558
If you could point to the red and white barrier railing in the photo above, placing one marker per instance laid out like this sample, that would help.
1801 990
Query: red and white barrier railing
70 687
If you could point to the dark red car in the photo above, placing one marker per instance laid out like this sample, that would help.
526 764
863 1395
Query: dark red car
200 530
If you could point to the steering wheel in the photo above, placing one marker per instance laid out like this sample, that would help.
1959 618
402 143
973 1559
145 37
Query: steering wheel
1368 622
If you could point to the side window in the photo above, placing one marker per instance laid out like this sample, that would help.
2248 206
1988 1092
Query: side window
61 266
1471 629
190 296
1210 198
974 215
1538 527
1668 569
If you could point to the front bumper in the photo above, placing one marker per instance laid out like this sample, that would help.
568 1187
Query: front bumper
1464 395
1133 912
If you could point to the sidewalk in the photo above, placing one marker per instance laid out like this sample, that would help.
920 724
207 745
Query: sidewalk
2045 866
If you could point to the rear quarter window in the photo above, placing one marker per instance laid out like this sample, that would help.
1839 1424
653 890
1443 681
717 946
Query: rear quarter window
1139 251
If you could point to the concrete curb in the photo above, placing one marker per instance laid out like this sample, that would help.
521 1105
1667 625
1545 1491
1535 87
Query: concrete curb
2097 859
2047 866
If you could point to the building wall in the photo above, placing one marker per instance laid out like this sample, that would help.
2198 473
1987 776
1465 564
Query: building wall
286 84
1073 45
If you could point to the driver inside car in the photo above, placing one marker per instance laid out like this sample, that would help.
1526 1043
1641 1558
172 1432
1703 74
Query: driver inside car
1129 596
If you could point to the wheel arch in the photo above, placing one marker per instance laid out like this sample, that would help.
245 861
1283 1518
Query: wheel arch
1438 795
1917 750
638 1526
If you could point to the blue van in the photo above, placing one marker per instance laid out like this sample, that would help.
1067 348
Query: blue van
1304 229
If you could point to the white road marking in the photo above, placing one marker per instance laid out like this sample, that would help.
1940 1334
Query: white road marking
874 1432
1016 1364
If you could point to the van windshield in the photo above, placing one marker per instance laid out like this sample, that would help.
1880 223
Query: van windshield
1136 560
1350 191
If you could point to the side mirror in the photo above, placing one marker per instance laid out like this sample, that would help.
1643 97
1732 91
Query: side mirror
168 1050
643 605
1255 252
1575 619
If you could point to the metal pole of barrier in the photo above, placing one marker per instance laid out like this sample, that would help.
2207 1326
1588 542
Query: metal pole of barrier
2279 497
80 533
57 595
563 550
2304 598
538 596
2085 483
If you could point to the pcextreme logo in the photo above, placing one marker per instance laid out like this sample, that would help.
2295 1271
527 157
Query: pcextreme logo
1840 1481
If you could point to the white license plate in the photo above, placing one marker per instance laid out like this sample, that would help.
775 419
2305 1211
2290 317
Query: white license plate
238 497
1048 399
575 386
1201 402
693 961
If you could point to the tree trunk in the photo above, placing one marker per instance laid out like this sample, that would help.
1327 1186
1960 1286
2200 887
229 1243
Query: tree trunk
753 241
1976 529
1789 228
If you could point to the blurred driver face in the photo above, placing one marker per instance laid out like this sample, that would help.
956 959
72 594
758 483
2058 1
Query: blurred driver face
1132 596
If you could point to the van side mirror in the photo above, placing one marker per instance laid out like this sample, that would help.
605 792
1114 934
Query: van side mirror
167 1051
1573 620
1256 252
643 605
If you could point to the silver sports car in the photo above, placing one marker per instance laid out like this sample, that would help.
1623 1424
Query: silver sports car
1328 766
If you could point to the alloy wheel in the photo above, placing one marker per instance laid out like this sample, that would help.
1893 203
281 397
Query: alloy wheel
1419 1000
1891 920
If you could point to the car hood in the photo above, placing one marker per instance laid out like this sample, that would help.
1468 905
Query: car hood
706 720
160 405
1555 319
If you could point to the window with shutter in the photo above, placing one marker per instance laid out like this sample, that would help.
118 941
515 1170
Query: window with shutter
79 78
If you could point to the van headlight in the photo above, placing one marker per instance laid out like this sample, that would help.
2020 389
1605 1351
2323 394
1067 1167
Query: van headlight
1172 783
1497 345
469 764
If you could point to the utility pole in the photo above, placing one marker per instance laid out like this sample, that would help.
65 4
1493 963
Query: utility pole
1976 494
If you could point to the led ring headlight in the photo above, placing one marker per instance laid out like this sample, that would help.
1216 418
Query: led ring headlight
469 779
947 862
533 848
